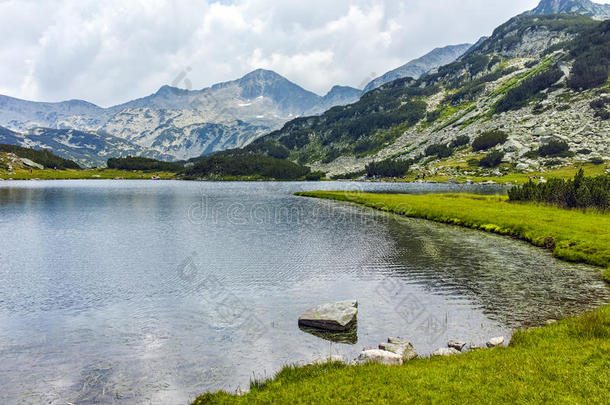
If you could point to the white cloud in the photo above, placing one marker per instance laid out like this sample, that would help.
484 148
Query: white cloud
110 51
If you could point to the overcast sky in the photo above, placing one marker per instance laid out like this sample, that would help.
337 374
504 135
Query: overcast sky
111 51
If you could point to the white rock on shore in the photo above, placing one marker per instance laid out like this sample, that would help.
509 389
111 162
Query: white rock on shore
380 357
445 351
494 342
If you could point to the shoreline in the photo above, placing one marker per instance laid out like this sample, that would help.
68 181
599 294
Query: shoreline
572 348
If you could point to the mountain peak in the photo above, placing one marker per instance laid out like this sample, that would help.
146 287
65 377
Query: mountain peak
420 66
584 7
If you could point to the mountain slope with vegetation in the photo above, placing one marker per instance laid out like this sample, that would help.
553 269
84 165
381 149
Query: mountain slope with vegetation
539 82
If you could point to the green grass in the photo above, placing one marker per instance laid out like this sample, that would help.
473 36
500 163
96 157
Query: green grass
566 172
566 362
71 174
576 236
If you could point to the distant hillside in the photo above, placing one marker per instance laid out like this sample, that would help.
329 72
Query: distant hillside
42 157
538 85
418 67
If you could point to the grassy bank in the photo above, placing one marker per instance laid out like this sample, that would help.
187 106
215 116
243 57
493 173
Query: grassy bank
566 362
573 235
73 174
566 172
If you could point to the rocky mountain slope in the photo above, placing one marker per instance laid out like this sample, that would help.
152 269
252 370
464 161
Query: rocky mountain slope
177 123
85 148
584 7
539 84
420 66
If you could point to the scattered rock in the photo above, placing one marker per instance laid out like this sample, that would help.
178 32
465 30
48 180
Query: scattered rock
402 347
497 341
445 351
334 317
457 345
380 357
474 346
31 163
551 321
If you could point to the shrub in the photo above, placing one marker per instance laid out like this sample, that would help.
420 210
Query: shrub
519 96
247 164
388 168
439 150
492 159
315 176
603 114
489 139
581 192
597 161
554 148
140 163
460 141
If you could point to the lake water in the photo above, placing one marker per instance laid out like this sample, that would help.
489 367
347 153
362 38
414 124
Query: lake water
153 292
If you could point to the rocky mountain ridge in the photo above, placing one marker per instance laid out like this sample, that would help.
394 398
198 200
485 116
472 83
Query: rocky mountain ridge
420 66
540 80
584 7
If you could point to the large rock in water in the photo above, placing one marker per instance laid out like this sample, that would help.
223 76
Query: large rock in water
334 317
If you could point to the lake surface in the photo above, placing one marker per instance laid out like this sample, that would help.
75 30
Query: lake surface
126 292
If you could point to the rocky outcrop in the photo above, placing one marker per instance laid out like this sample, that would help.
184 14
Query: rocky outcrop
339 316
585 7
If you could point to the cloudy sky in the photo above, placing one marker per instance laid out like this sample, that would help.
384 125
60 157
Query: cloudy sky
111 51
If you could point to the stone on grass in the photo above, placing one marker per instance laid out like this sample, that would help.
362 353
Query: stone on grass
497 341
402 347
456 344
380 357
445 351
339 316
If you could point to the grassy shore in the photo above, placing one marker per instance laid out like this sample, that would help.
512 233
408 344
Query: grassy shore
573 235
91 174
566 362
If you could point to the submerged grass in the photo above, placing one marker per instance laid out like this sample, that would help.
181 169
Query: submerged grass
567 362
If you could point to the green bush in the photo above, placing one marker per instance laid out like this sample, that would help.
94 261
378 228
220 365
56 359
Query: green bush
315 176
439 150
554 149
461 140
492 159
581 192
388 168
247 164
489 139
145 164
519 96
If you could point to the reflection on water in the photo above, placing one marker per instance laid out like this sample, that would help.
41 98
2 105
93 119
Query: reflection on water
153 292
